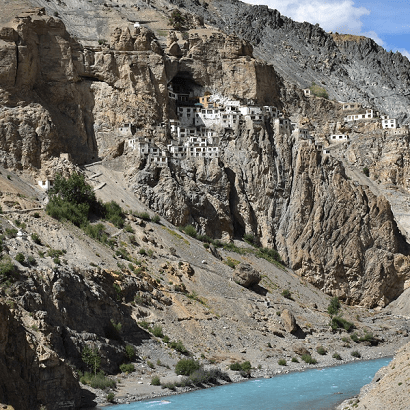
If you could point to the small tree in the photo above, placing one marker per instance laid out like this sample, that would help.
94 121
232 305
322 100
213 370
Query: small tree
177 20
186 367
334 306
92 358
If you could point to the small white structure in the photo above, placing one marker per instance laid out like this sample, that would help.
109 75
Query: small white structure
369 114
270 111
307 92
388 123
300 133
326 151
136 24
338 138
283 126
46 184
126 130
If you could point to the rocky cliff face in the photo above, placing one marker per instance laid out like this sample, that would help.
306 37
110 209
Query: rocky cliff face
349 67
265 181
388 388
30 372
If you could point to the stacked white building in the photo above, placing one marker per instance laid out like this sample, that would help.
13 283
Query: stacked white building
196 132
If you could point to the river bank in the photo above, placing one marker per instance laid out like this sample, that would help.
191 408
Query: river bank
137 385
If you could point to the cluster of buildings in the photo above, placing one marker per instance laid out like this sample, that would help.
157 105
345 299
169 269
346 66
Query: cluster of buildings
368 114
200 122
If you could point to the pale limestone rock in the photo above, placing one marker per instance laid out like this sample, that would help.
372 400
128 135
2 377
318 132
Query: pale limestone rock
289 321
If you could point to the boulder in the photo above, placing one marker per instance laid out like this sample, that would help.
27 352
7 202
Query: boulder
174 50
246 276
289 321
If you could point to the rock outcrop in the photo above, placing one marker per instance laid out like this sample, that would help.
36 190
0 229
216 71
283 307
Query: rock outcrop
388 389
30 372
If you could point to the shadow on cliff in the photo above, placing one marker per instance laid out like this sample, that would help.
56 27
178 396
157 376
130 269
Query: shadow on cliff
27 379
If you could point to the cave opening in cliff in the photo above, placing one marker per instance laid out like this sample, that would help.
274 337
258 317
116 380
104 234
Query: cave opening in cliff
184 84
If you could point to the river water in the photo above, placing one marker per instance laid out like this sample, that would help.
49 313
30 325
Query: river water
313 389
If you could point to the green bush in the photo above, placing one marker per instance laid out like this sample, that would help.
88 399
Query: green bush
339 323
177 20
201 376
246 366
251 239
130 352
113 330
35 238
286 294
143 215
155 381
356 353
235 366
191 231
31 260
307 358
128 228
156 219
318 91
282 362
8 270
144 324
179 347
321 350
366 171
127 368
157 331
187 366
96 232
334 306
72 199
98 381
295 360
11 232
354 337
20 258
337 356
114 214
111 397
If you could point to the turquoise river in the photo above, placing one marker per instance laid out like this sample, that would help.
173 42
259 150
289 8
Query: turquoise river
313 389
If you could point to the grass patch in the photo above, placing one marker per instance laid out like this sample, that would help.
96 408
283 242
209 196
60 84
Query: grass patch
98 381
307 358
127 368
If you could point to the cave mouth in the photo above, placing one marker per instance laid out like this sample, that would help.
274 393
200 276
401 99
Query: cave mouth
183 83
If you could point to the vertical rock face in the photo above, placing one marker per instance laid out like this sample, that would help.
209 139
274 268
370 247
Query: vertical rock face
340 237
29 374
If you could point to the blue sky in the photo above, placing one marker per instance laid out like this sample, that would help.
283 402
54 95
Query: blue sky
386 21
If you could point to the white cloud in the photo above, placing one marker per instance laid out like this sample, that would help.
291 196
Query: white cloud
375 37
332 15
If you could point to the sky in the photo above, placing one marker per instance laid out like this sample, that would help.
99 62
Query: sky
385 21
